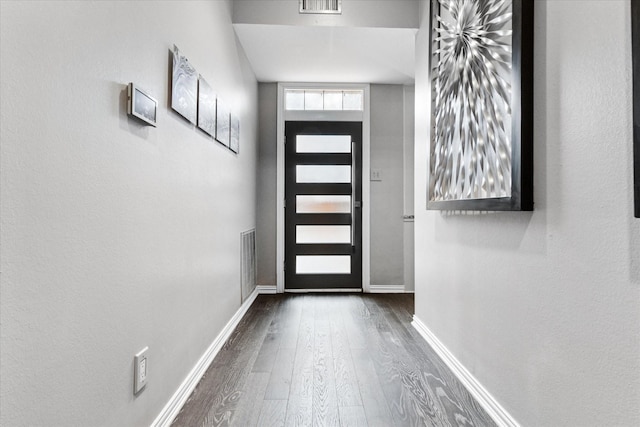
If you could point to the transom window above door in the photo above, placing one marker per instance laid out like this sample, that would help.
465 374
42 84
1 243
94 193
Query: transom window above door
323 100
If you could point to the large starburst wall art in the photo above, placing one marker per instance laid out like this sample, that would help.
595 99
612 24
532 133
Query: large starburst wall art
481 64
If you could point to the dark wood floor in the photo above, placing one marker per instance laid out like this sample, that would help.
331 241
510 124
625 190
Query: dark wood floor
329 360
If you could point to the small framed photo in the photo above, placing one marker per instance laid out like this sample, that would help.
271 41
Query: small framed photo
206 107
635 53
223 123
234 143
184 87
142 105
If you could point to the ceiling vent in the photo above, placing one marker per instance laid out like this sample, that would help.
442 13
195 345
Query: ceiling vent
321 6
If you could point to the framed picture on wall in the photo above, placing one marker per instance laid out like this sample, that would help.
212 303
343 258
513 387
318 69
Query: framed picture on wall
206 107
141 105
234 143
184 87
223 123
635 48
481 142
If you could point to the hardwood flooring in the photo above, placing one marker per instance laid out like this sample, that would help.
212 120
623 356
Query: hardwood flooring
329 360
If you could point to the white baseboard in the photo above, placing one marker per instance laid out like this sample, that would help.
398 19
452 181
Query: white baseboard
263 289
501 417
389 289
171 409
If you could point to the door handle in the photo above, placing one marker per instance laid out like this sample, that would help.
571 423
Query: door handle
354 204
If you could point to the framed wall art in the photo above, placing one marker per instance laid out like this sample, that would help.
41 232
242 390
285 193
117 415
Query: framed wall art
184 87
635 48
481 142
141 105
206 107
234 142
223 123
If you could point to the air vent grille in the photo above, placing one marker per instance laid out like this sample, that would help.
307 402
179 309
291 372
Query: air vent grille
321 6
247 263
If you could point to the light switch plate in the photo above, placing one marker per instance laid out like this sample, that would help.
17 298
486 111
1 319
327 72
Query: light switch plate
141 370
376 175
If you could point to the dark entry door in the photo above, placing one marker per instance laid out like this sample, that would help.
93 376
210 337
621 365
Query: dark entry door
323 198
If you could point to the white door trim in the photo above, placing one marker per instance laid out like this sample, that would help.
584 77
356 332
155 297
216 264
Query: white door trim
363 116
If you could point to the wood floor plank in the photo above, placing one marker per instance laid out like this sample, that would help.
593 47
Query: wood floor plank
300 407
280 380
352 416
299 412
325 399
373 398
267 354
272 413
292 308
250 402
347 387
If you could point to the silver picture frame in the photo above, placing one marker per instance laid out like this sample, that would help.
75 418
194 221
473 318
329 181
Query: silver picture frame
141 105
184 87
206 107
234 143
223 123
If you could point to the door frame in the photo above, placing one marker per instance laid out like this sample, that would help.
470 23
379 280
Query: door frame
329 116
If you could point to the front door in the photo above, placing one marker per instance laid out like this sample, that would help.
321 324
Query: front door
323 197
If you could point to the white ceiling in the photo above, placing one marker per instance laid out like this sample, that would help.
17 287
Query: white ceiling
280 53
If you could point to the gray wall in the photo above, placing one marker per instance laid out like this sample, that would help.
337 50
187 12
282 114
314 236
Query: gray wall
115 236
544 307
355 13
387 195
266 183
409 142
391 135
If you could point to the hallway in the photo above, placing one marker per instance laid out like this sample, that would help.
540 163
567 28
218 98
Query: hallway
329 360
120 239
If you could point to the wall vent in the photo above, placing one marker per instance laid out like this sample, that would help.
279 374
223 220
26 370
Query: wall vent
247 263
321 6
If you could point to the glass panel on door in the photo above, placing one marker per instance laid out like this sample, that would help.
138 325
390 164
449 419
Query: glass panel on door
323 204
323 144
306 234
323 264
323 174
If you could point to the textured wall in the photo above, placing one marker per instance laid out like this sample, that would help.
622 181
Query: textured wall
115 235
544 307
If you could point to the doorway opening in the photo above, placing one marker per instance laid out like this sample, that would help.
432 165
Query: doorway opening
323 206
323 201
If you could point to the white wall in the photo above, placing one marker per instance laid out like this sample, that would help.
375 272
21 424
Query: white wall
355 13
544 307
115 236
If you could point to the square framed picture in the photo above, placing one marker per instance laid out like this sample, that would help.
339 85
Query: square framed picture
481 147
234 143
223 123
141 105
635 53
184 87
206 107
